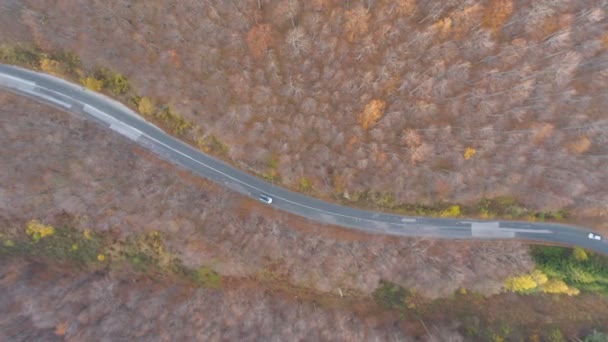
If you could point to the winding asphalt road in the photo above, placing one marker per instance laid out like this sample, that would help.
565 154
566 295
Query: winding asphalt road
111 114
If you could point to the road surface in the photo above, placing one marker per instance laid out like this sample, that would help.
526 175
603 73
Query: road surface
117 117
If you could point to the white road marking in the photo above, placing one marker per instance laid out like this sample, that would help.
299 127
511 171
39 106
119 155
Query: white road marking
100 115
494 229
521 230
17 79
54 100
127 131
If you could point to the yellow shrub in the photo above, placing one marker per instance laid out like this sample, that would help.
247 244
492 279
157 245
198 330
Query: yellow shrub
101 257
50 66
146 106
38 231
559 286
452 211
539 277
520 284
579 254
469 153
92 83
573 291
304 184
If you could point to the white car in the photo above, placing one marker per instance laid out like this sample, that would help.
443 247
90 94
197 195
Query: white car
265 198
594 236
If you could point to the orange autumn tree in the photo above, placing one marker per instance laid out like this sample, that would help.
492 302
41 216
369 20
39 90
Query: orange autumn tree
259 39
372 112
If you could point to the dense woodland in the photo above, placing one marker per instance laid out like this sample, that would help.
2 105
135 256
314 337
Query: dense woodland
382 101
90 248
114 188
417 101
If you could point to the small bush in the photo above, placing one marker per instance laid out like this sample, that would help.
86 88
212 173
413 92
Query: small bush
114 81
20 55
304 184
176 123
38 231
451 211
207 277
469 153
51 66
146 106
579 254
92 83
390 295
521 284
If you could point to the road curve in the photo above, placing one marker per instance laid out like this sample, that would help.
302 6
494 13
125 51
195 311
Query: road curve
111 114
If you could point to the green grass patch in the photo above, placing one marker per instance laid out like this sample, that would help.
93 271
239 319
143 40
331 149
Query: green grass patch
587 273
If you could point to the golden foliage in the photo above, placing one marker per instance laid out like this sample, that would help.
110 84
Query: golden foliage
452 211
101 257
496 13
146 106
87 234
51 66
443 26
356 23
372 112
539 277
521 284
92 83
579 254
559 287
259 39
580 145
304 184
38 231
469 153
176 123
